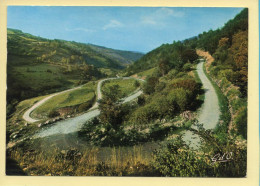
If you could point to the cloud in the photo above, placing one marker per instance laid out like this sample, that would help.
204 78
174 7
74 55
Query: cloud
112 24
148 20
160 15
80 29
170 12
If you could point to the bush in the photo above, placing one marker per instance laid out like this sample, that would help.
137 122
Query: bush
160 86
141 100
178 160
172 74
214 71
137 84
187 67
145 114
85 106
241 122
103 134
53 114
181 97
149 85
49 71
188 84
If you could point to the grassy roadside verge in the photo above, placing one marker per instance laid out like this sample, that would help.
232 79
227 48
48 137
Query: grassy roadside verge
222 126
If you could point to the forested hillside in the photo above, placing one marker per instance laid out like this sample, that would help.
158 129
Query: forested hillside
228 67
121 56
209 40
164 57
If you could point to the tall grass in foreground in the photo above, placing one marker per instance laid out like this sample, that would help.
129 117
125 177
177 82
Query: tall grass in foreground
117 162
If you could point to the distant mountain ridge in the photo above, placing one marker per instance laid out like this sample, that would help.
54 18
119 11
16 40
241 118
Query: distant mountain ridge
127 57
56 51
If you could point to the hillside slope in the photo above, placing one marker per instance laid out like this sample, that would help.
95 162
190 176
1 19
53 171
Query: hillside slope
38 66
67 52
126 57
228 67
179 52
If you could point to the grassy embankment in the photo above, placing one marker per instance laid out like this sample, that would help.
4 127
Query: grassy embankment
17 124
126 86
68 99
147 72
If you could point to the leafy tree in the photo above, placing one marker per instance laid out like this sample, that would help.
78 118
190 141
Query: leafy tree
189 55
110 107
149 85
239 51
164 66
89 72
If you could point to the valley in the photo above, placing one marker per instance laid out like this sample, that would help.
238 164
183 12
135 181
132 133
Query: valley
86 110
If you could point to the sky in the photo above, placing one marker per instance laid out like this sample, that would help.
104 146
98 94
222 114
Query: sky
126 28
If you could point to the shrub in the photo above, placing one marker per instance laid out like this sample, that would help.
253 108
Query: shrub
181 97
241 122
179 161
160 86
137 83
145 114
187 67
214 71
53 114
149 85
172 74
188 84
141 100
85 106
49 71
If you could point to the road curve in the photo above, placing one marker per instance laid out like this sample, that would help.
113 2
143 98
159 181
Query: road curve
26 115
75 124
209 112
28 118
99 94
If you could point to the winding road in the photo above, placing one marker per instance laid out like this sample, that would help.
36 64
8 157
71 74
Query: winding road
209 112
75 124
26 115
